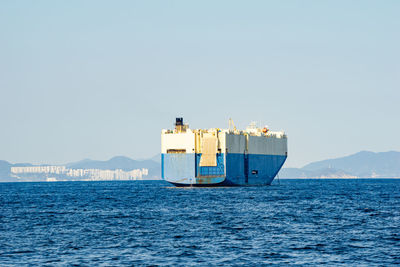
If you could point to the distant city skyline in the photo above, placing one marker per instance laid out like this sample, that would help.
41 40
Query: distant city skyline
97 79
61 172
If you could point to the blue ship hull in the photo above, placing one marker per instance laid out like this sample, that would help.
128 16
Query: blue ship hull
183 169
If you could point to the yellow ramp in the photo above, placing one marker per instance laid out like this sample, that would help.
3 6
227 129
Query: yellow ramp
209 151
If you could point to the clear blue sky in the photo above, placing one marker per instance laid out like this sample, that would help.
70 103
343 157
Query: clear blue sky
95 79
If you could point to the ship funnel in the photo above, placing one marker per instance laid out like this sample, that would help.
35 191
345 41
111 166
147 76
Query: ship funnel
179 126
179 121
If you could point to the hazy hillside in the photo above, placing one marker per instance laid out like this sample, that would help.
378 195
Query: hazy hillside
363 164
320 173
156 158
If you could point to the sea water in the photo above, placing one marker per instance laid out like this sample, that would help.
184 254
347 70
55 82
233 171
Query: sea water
299 222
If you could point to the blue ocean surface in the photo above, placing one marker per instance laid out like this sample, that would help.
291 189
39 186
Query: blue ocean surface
297 222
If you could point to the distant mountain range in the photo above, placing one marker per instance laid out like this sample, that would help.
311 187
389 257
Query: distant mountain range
364 164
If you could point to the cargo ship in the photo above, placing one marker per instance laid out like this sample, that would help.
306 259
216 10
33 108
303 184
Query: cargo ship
221 157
